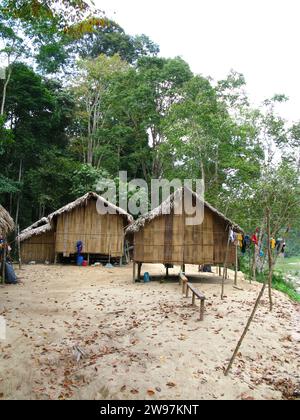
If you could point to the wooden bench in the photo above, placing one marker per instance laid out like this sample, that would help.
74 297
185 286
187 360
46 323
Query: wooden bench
186 287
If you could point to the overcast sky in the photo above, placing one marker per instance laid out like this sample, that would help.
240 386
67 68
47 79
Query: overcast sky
259 38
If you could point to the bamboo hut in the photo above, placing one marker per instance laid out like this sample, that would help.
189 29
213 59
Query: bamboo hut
6 222
57 235
38 242
163 236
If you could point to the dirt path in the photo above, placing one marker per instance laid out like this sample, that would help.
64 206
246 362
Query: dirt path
143 340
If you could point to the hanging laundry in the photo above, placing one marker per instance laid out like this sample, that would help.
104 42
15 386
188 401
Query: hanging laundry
273 243
246 243
254 239
240 238
231 235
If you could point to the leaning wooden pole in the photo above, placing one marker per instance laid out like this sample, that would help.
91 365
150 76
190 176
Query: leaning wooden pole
246 329
257 302
225 266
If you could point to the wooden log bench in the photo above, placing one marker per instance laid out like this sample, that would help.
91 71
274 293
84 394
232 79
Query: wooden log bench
186 287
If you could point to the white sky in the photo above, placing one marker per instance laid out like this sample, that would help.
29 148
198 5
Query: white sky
259 38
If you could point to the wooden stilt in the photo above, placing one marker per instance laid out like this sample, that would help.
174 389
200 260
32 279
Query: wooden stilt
183 268
139 270
88 259
167 272
134 272
55 258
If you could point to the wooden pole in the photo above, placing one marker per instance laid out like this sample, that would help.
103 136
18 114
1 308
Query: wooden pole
225 265
201 310
139 270
236 265
134 271
3 262
19 249
246 329
270 260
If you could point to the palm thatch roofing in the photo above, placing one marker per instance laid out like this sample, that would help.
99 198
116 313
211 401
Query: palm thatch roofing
82 201
6 222
46 224
29 233
170 203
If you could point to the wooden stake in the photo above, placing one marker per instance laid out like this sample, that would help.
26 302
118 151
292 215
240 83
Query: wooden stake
201 310
193 299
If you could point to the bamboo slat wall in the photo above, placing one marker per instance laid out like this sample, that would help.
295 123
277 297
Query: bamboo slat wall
168 240
39 248
100 234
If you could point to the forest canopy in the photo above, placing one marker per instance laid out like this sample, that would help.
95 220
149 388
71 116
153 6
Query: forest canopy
82 100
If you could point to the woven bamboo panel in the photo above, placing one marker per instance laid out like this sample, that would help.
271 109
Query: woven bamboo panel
39 248
100 234
167 239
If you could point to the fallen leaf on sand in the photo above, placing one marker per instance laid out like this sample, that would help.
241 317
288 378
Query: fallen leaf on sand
171 384
150 392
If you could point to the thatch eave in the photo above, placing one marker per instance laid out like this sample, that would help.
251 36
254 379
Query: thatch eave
29 233
82 201
6 222
169 203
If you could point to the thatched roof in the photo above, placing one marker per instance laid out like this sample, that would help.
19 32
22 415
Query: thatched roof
6 222
169 204
46 223
28 233
41 222
82 201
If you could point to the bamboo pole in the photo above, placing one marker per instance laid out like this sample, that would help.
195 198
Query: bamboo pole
19 249
236 265
225 266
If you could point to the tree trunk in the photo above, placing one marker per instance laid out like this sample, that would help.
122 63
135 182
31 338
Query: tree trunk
19 194
270 258
5 90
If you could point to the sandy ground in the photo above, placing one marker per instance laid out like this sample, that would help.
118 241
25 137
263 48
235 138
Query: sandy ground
142 341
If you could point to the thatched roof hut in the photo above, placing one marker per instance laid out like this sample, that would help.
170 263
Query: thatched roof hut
163 236
79 220
6 222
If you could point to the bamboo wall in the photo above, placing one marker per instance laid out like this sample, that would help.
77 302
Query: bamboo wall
100 234
39 248
168 240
